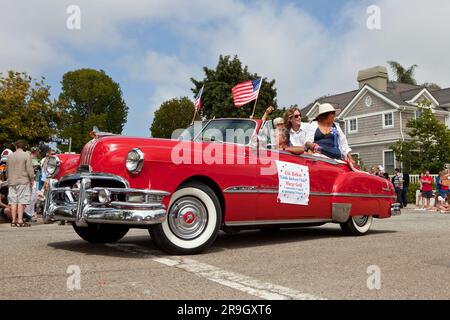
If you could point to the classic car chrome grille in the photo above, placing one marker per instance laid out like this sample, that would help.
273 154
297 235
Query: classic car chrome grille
97 180
77 198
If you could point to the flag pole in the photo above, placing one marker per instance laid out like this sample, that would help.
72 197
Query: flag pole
256 100
195 112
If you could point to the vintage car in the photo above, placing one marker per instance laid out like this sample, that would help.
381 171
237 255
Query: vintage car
223 174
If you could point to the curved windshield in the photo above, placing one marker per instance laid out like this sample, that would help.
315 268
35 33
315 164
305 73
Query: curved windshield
238 131
193 130
266 136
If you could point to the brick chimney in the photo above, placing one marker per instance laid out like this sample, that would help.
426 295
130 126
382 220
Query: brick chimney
377 77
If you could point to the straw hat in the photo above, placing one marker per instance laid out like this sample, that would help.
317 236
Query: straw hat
325 107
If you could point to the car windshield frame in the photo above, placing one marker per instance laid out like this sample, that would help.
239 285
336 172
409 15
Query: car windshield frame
254 127
204 123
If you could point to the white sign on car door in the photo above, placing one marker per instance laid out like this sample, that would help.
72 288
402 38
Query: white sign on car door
293 183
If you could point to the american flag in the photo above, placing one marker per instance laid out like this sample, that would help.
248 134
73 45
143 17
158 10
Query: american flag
198 99
246 92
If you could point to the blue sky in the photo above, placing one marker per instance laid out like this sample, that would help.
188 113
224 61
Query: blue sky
152 48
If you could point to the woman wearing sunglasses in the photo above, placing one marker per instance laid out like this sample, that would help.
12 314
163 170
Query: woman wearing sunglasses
293 122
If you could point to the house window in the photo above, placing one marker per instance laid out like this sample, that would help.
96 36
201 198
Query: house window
418 113
388 120
352 125
389 161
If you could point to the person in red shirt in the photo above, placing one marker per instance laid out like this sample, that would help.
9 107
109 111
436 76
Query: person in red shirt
427 188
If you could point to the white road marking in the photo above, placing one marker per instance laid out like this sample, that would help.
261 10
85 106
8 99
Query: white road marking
249 285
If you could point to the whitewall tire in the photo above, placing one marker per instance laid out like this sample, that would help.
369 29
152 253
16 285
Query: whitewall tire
357 225
193 221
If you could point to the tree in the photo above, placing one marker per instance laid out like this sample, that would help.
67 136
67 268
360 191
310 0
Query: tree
431 86
90 98
171 115
26 110
217 98
429 143
403 75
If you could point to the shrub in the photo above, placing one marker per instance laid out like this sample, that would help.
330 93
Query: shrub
413 187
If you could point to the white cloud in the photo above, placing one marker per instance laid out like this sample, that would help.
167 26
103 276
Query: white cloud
284 42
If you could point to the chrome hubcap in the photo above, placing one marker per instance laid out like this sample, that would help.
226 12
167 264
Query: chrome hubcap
187 218
360 221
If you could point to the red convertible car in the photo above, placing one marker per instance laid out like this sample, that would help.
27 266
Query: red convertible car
222 174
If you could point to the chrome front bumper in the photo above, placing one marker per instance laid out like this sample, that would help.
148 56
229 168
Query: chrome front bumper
82 206
395 209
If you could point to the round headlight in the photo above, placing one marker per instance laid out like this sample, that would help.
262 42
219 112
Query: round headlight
135 160
52 166
104 196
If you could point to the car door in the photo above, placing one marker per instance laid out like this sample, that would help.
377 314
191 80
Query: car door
322 174
235 172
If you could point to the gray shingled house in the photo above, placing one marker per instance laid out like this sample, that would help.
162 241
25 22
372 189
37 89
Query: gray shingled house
374 116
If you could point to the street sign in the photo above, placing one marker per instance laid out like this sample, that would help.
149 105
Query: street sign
60 140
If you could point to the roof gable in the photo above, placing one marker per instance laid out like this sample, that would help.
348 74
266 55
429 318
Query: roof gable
366 88
423 93
339 101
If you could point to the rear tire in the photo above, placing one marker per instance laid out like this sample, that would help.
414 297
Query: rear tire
357 225
193 221
101 233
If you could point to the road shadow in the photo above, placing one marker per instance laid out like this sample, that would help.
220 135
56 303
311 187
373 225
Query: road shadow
127 247
256 238
140 246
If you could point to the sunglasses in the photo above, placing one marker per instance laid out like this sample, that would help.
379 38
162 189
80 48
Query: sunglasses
296 116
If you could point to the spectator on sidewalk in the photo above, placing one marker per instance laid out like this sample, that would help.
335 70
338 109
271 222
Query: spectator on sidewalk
43 182
419 197
405 189
441 188
5 208
29 212
397 181
20 180
3 167
427 188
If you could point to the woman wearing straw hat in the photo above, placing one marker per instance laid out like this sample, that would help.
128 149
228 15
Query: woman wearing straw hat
326 137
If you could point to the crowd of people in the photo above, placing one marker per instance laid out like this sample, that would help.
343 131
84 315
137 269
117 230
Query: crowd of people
323 136
23 183
441 195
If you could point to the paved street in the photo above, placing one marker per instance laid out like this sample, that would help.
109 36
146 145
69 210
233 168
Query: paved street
411 252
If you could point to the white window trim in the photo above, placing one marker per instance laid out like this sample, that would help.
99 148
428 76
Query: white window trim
349 131
384 158
393 120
